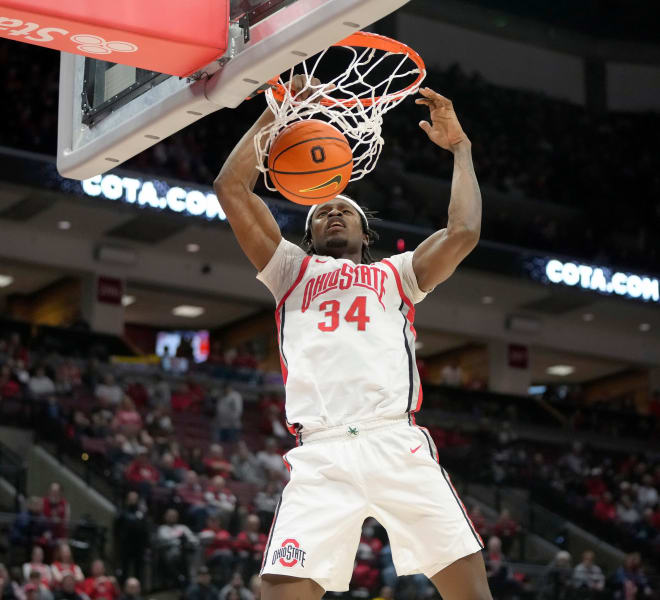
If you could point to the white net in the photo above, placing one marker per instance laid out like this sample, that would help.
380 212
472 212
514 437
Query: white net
351 102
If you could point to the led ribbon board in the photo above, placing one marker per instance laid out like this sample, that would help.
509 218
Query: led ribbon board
603 280
155 194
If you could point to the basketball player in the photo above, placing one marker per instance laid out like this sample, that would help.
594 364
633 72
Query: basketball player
347 348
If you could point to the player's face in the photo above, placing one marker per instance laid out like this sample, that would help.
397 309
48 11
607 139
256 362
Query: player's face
337 229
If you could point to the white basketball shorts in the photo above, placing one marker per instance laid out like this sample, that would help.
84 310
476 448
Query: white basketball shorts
386 469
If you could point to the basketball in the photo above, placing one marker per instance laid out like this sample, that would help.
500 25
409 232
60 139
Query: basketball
310 162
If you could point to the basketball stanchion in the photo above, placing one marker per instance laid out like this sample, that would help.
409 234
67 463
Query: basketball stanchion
380 74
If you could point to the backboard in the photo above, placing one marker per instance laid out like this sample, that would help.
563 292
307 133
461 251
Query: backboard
110 112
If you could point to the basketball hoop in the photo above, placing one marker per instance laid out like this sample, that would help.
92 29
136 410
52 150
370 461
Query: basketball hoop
350 101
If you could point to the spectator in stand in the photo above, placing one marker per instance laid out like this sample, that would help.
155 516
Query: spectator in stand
9 387
40 385
98 586
646 530
64 565
236 587
588 578
265 503
171 476
647 494
630 581
366 575
142 474
574 460
479 521
452 374
56 510
191 493
127 419
557 580
132 590
177 545
216 463
245 465
626 511
500 577
219 498
273 423
229 411
202 589
8 589
67 589
36 565
605 509
250 544
218 546
271 461
506 528
41 590
21 374
132 537
196 460
160 394
30 527
108 393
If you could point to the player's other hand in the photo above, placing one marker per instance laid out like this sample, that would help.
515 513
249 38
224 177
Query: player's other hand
444 129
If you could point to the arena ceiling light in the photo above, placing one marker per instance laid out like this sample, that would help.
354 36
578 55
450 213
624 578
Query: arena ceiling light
644 327
127 300
192 247
560 370
487 300
64 225
6 280
187 311
588 317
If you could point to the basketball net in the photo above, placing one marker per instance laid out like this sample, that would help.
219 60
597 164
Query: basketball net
358 113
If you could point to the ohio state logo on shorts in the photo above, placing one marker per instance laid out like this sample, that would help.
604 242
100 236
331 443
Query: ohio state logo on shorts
290 554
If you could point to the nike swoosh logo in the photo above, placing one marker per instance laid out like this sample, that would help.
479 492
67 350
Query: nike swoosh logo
321 261
415 450
337 179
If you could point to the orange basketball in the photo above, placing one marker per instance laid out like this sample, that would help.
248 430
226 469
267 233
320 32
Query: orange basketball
310 162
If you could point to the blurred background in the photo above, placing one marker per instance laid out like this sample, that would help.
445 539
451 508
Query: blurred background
141 402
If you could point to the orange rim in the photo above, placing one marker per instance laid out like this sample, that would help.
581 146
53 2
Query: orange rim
362 39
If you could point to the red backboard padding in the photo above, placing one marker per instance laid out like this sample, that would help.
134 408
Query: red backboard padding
168 36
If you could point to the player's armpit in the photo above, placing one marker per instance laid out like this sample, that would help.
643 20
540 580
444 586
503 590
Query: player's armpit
253 224
437 257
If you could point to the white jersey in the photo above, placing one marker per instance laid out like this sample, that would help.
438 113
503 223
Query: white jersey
346 337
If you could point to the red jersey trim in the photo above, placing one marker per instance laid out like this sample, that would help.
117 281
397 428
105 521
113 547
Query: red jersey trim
411 307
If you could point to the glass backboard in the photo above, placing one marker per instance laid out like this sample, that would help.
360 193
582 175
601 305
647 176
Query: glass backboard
108 113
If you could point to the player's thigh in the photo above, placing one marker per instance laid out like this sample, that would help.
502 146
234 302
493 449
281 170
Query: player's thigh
464 579
284 587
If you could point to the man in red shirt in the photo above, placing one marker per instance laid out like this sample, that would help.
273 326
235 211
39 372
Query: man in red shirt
142 473
506 528
99 586
250 543
216 463
218 546
56 510
605 510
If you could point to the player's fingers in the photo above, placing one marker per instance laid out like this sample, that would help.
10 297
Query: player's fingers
429 93
426 126
424 101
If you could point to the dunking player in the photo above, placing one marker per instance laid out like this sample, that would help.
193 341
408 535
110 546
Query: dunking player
346 336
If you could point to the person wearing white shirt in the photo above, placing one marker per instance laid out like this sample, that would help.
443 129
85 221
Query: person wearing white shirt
40 384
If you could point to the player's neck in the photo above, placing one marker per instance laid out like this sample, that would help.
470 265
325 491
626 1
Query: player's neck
337 253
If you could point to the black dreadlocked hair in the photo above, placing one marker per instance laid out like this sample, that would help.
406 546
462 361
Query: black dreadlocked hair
372 236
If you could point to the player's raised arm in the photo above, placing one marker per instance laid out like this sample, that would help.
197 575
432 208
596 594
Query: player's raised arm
436 258
253 224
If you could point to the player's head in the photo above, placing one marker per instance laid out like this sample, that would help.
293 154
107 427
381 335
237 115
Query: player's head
339 227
